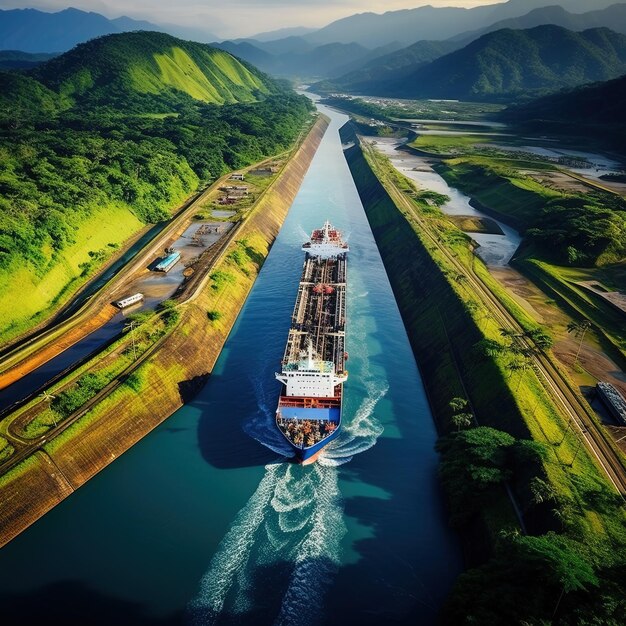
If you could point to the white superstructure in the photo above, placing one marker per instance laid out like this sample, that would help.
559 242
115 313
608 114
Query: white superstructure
326 243
310 377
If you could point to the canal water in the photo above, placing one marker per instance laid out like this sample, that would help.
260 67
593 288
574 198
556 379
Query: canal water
204 522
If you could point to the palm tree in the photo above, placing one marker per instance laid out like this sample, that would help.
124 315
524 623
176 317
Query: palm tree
462 420
46 396
457 404
579 329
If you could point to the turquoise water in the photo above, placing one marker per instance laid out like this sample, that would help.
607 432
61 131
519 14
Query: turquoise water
203 522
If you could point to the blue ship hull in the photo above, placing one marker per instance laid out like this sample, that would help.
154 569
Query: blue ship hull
306 455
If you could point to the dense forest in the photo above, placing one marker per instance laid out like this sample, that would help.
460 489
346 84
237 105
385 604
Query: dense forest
503 66
104 126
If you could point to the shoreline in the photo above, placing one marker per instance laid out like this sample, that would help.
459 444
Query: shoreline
173 375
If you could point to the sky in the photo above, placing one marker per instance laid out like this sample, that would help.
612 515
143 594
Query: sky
237 18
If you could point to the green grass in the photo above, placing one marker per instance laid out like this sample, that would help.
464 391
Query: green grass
448 144
6 449
534 408
499 187
47 417
559 282
38 294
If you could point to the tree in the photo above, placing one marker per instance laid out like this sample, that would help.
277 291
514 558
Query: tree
579 329
462 420
46 396
488 347
541 490
457 404
541 338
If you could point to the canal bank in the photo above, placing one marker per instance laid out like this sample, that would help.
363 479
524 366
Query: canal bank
203 522
170 378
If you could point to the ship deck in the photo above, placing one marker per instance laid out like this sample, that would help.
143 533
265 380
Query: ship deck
320 311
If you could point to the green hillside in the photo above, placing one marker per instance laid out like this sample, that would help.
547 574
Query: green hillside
118 67
598 103
511 64
110 137
19 93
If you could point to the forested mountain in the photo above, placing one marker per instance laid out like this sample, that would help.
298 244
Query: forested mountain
613 17
433 23
387 70
510 64
30 30
111 136
17 60
141 66
591 106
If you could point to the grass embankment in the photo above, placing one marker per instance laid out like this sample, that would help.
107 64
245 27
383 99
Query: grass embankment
170 377
560 283
462 353
448 144
40 293
65 397
560 227
499 188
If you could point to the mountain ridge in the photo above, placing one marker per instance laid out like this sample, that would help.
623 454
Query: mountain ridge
145 67
508 64
34 31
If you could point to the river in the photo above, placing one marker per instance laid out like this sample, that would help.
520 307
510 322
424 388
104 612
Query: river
494 250
203 521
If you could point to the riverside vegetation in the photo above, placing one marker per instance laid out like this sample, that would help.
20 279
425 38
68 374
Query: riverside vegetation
109 137
560 556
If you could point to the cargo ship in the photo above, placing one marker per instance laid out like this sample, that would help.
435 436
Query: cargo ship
313 366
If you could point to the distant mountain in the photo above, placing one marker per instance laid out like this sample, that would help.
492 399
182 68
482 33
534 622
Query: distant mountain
386 71
249 53
510 64
281 33
287 45
31 30
598 104
303 60
17 60
145 67
431 23
613 17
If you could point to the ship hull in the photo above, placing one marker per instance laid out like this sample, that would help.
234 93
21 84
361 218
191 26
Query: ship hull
308 455
313 365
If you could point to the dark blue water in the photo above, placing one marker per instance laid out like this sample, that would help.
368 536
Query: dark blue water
203 522
32 382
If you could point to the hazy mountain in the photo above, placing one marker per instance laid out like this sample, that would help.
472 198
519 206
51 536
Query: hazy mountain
17 60
282 33
141 66
306 61
31 30
287 45
250 53
430 23
508 64
388 69
613 17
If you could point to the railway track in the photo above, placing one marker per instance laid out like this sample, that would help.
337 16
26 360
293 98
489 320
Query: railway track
570 402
